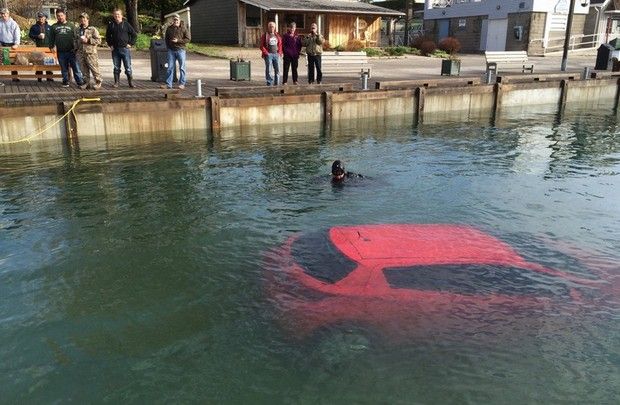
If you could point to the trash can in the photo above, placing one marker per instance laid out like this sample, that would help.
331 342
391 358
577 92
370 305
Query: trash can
240 69
159 61
603 57
615 54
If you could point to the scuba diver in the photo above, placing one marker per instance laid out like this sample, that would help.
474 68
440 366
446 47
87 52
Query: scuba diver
339 174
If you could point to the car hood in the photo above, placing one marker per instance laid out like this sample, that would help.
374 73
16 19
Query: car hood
423 244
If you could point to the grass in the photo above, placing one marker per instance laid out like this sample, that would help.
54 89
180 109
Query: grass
213 51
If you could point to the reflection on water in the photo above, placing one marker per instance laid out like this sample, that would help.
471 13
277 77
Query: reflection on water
130 269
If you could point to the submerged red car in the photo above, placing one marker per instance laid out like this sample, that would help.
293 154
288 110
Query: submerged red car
401 279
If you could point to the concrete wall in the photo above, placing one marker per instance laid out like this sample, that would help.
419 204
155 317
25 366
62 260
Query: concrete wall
25 122
112 119
104 122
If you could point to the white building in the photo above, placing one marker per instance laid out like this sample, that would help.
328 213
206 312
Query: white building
537 26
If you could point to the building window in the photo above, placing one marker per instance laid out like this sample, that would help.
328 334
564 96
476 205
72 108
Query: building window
252 16
298 19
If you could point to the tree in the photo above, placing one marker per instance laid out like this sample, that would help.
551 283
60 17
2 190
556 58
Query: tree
131 9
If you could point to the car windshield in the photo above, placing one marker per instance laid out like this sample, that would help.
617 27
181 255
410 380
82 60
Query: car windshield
319 258
476 279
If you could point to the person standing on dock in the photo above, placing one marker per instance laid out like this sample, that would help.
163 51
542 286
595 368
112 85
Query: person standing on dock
120 37
271 49
10 34
88 41
177 36
314 48
63 38
40 34
291 44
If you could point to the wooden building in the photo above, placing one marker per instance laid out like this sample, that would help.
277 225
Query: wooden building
241 22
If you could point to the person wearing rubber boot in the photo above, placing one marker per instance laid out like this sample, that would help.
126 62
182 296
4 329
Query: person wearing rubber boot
88 40
120 37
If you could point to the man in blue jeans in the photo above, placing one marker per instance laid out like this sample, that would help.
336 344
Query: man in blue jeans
120 37
177 36
63 37
271 50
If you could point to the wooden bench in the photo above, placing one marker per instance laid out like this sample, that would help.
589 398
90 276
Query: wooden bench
508 59
345 62
29 71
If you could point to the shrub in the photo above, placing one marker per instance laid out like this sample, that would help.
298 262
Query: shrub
450 44
417 42
427 47
339 48
397 50
354 45
372 52
143 41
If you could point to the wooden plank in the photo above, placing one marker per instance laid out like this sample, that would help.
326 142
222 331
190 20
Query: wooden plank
29 68
269 100
421 94
255 91
564 84
327 99
412 84
539 77
214 103
372 95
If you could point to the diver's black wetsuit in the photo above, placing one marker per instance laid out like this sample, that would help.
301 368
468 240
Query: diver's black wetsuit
347 176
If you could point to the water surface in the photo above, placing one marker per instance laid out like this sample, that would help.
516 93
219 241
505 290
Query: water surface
130 269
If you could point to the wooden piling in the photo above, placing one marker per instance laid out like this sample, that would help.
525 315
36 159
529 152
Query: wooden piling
420 94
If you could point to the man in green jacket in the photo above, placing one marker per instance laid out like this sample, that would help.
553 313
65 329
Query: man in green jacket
63 37
314 48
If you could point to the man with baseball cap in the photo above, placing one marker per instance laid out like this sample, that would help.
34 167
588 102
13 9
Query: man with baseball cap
177 36
40 34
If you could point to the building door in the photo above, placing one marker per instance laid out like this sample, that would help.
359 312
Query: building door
443 29
484 30
496 35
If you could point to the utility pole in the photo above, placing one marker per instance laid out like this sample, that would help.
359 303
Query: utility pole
569 23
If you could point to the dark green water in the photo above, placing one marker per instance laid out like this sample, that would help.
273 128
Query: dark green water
131 271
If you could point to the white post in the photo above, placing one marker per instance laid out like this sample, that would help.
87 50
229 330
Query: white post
276 21
199 88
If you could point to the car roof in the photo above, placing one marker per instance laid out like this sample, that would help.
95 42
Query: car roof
422 243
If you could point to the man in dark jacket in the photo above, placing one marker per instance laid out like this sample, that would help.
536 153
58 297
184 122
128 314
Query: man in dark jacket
120 37
40 34
177 36
63 37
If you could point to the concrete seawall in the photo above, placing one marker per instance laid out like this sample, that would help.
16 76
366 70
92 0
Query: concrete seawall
416 103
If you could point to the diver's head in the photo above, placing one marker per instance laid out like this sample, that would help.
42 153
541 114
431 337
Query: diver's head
337 170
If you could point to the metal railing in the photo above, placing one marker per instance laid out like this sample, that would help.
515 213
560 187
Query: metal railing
557 44
399 37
